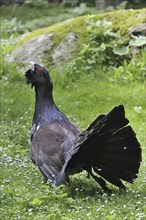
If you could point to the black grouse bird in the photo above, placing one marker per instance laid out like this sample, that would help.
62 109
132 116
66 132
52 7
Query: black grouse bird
107 150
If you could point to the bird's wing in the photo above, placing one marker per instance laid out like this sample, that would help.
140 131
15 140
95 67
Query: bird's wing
47 151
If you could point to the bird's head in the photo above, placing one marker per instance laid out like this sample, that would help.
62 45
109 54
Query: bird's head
38 76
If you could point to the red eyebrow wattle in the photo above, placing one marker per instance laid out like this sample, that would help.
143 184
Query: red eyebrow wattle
40 69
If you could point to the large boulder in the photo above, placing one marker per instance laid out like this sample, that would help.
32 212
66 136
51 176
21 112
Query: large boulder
58 43
33 49
64 50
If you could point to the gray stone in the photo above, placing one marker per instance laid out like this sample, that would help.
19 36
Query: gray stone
36 48
32 50
64 50
138 28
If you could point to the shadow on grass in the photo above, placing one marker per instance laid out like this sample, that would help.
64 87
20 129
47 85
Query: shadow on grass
80 186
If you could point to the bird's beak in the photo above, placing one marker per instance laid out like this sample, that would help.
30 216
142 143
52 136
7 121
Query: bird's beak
31 66
29 73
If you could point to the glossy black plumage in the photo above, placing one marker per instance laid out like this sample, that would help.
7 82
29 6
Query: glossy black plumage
108 148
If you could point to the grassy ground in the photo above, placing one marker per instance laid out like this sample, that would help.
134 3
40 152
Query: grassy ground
23 193
15 21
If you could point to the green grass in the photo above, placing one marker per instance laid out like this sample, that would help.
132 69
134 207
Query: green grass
14 21
23 193
82 98
33 12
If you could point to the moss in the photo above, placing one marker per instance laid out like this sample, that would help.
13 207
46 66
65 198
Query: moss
59 30
121 21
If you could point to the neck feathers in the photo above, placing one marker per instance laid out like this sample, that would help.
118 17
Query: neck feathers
46 111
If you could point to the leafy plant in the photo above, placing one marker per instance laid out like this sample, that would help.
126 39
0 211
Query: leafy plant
137 41
70 2
9 27
135 70
105 49
120 50
36 3
103 44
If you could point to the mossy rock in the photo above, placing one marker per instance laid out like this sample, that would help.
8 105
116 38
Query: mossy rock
62 41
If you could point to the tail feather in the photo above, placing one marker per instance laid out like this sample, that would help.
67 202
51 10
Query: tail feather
110 177
122 151
118 159
113 121
110 147
126 173
122 136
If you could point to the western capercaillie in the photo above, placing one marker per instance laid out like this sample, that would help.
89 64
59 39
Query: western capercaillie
108 149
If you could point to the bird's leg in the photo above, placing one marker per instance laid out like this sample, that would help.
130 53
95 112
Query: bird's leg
117 182
100 181
44 180
88 174
67 180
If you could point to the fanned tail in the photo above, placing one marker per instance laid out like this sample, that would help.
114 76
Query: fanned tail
108 148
